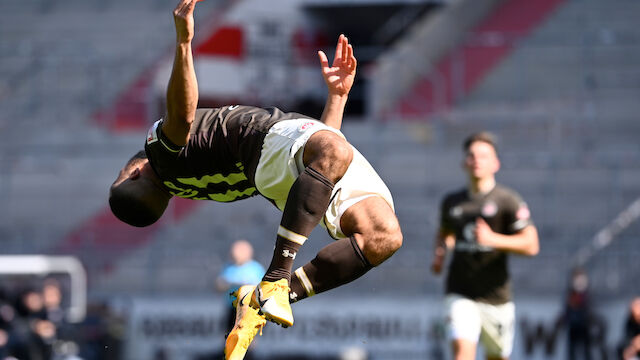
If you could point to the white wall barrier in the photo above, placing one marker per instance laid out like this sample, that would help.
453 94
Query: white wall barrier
400 328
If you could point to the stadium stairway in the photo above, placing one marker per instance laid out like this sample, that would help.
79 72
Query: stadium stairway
456 67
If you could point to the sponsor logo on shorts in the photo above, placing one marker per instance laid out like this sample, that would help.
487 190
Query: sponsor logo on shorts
306 125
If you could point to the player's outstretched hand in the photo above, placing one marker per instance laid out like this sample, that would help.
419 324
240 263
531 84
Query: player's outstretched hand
183 18
339 77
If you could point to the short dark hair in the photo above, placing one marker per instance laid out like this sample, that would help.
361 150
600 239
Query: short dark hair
139 155
133 205
483 136
132 210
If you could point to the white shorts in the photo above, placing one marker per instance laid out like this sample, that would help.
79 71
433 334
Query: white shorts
281 163
493 325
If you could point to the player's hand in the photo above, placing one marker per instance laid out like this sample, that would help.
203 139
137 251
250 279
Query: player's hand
484 234
630 351
437 264
340 75
183 19
439 255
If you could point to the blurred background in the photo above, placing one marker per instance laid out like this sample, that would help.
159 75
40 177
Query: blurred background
558 81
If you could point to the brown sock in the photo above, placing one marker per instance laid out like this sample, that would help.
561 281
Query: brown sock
306 204
282 260
336 264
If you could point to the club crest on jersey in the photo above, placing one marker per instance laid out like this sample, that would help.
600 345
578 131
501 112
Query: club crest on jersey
152 135
469 231
489 209
306 125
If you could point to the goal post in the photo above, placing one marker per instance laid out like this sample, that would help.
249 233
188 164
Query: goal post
45 265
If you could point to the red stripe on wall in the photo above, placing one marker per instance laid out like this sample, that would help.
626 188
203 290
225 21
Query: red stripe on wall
226 42
488 43
102 240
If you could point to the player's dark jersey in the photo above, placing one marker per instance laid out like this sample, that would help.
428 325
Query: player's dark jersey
478 272
220 159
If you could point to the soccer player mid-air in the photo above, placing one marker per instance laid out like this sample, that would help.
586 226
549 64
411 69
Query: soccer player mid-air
304 166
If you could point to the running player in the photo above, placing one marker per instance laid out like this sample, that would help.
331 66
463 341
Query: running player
482 223
305 167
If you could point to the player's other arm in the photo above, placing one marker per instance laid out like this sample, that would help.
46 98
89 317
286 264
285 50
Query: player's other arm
632 349
524 242
444 240
339 78
182 91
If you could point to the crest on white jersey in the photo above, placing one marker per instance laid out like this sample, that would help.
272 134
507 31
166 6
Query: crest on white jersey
152 135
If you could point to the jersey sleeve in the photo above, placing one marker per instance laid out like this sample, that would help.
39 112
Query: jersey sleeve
159 149
517 214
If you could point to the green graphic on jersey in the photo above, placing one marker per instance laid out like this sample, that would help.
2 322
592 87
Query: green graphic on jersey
213 179
180 192
203 182
232 195
227 196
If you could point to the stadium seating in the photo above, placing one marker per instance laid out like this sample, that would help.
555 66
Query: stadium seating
563 102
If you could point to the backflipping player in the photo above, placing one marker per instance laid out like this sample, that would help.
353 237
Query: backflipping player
483 223
305 167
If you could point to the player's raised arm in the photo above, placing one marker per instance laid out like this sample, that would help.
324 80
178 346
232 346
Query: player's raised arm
339 78
182 92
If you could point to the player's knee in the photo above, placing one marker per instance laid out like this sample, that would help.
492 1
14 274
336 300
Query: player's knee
329 154
393 235
383 241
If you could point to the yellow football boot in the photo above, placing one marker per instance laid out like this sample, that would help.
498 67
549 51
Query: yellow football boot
272 299
248 322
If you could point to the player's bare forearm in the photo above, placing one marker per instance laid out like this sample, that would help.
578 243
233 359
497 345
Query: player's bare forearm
442 241
525 242
334 110
182 96
182 91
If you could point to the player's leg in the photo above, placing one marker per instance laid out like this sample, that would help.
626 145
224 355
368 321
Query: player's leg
375 228
463 349
373 236
374 231
326 158
463 323
361 217
498 328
